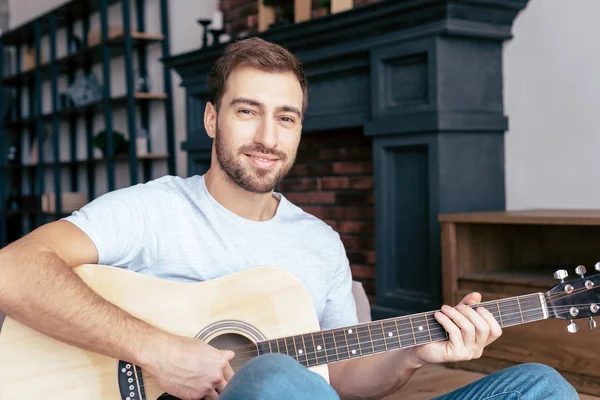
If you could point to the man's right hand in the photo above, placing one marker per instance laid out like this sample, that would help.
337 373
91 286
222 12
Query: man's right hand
189 368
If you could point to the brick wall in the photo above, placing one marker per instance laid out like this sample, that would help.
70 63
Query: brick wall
333 180
242 15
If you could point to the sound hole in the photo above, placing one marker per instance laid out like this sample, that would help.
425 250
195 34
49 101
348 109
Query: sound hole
243 347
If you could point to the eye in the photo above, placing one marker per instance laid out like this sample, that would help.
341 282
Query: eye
288 120
245 111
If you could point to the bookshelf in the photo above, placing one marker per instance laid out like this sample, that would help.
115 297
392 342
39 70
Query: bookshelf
60 80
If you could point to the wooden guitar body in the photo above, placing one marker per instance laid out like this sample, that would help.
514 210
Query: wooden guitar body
257 304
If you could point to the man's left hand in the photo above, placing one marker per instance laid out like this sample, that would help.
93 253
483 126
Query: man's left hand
469 332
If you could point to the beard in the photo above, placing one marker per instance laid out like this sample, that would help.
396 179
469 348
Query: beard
246 176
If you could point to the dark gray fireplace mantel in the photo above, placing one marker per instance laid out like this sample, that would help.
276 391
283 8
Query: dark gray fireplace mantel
424 79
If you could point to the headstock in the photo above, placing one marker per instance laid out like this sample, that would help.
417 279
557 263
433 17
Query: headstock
576 298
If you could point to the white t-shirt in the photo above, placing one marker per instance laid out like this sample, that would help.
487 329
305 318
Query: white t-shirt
174 229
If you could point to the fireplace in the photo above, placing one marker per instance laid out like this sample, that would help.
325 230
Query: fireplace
406 112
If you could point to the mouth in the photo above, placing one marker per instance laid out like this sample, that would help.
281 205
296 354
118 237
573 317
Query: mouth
263 161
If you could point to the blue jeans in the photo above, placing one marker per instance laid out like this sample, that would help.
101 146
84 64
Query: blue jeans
279 377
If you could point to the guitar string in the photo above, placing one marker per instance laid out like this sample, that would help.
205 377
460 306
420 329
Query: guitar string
314 357
252 348
534 298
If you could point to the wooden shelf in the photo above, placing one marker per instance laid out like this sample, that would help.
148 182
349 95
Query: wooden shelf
66 163
94 107
504 254
69 11
535 217
92 53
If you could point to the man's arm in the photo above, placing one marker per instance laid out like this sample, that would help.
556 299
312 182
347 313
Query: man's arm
39 289
377 376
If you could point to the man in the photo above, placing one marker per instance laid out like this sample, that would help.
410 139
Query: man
227 220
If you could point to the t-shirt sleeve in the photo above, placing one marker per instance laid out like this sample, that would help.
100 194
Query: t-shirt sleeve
123 223
340 309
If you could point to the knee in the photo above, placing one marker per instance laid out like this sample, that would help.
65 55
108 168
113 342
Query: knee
270 364
547 379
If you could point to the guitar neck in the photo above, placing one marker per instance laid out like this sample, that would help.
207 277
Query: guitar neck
380 336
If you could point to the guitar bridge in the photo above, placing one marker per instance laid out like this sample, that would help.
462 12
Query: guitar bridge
131 381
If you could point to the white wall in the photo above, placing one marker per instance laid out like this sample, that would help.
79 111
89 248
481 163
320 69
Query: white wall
552 99
185 35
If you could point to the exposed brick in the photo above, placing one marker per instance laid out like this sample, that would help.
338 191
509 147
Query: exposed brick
319 169
298 170
331 222
352 167
357 242
311 197
371 257
317 211
358 256
362 271
362 182
300 184
354 212
352 198
356 227
345 153
342 182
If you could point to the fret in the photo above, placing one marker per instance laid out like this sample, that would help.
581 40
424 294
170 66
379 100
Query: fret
391 334
354 349
377 338
342 344
520 310
364 338
398 331
428 328
332 350
499 318
263 347
325 348
291 348
310 349
281 346
300 349
411 334
510 312
533 308
317 350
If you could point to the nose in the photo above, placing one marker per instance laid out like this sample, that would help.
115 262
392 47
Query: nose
267 134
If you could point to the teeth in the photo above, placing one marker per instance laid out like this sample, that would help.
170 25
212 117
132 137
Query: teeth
261 159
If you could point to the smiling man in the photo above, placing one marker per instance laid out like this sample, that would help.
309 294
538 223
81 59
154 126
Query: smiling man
230 219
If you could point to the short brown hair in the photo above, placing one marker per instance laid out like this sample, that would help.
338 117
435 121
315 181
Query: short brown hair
257 53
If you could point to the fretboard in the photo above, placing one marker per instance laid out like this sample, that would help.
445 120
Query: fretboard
324 347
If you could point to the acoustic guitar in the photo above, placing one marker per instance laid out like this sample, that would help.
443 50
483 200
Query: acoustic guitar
260 310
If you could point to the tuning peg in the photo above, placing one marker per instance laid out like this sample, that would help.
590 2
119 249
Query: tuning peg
580 270
592 323
561 274
572 327
597 266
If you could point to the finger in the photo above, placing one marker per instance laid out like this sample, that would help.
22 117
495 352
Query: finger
482 326
221 386
495 329
211 395
466 327
454 332
228 372
471 298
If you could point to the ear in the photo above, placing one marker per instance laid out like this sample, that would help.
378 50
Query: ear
210 120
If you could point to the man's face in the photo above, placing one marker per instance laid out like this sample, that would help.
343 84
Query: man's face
258 128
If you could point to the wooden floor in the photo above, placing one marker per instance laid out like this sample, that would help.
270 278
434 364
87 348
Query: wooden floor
435 380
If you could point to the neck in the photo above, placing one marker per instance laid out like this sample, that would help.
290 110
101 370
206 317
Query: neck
381 336
252 206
